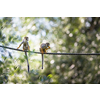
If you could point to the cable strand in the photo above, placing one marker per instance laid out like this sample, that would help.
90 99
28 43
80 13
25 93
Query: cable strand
52 53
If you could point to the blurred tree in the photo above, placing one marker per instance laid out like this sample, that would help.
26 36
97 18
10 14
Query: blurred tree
65 34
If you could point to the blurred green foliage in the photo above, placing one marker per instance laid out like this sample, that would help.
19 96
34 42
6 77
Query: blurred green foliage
65 34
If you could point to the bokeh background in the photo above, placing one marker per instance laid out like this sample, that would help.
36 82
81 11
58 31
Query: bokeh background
65 34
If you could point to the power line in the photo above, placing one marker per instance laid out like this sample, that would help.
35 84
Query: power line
52 53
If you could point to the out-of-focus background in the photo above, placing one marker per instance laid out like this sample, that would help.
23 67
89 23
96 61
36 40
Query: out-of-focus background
65 34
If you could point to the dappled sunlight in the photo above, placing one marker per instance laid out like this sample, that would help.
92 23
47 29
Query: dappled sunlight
87 24
29 26
57 67
82 20
52 61
65 35
23 29
33 28
70 35
72 66
14 25
98 36
75 44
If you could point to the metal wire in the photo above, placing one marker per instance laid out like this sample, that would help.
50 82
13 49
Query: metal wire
52 53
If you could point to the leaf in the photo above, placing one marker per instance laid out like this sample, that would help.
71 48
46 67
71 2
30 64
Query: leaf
49 76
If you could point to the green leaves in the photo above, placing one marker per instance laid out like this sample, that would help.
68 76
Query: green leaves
65 34
50 76
31 53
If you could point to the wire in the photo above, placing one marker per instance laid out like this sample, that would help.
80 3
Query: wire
52 53
18 49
